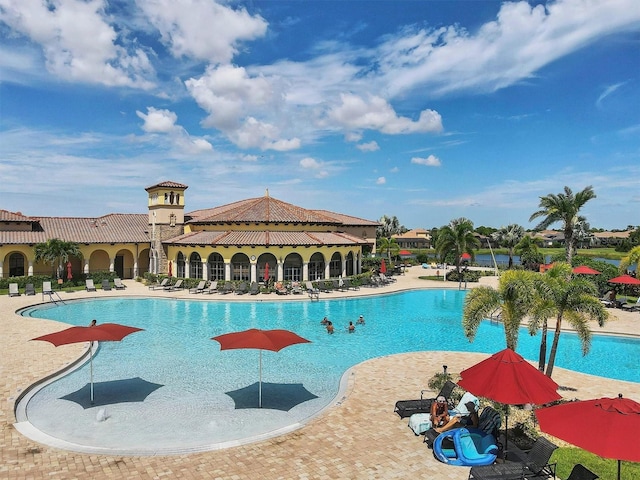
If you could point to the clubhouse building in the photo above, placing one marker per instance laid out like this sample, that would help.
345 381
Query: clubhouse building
238 241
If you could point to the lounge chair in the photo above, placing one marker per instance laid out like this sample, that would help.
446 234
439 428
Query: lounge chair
499 471
213 288
632 307
29 289
406 408
312 291
199 288
227 288
161 285
580 472
88 285
349 285
106 285
175 286
13 290
254 289
490 421
117 283
295 288
281 289
338 285
46 288
242 288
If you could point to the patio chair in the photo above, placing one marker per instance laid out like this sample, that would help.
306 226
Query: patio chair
13 290
535 462
281 289
312 291
254 289
295 288
349 285
213 288
406 408
242 288
199 288
227 288
499 471
175 286
106 285
46 288
117 283
88 285
29 289
580 472
161 285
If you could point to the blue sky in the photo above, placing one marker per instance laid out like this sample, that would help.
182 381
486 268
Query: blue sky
426 110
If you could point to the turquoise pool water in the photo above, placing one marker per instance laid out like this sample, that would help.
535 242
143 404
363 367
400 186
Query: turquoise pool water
191 408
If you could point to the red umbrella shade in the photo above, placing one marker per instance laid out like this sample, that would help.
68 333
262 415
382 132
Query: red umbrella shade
607 427
169 273
508 378
266 272
465 256
274 340
404 252
106 332
383 266
626 280
584 270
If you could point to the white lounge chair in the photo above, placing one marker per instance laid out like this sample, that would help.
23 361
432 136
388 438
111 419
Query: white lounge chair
213 288
199 288
159 286
13 290
175 286
117 283
90 287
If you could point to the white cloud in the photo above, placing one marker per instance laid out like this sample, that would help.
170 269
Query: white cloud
394 170
376 114
63 29
608 91
430 161
309 162
381 181
256 134
202 29
353 136
158 121
521 40
368 147
164 121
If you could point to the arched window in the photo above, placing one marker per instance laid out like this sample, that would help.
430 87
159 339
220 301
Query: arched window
240 267
316 267
180 265
349 261
216 267
335 266
16 265
293 268
195 265
264 260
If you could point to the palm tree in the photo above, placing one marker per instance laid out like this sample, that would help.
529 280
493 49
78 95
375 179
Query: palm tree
530 256
569 297
509 237
564 207
514 297
632 259
389 226
455 239
390 246
56 252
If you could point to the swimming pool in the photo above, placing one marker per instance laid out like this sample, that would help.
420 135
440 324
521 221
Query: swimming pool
191 409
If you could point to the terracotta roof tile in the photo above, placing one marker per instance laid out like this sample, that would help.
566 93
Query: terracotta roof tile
167 184
265 238
7 216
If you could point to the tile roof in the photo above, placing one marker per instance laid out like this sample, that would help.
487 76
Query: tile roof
112 228
7 216
270 210
265 238
167 184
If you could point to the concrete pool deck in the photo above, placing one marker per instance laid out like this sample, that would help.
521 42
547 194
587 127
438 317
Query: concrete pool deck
359 436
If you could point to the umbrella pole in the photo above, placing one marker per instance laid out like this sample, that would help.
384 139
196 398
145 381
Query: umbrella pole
91 368
506 433
260 384
618 469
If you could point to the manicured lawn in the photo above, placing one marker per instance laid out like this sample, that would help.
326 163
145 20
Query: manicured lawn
609 253
606 469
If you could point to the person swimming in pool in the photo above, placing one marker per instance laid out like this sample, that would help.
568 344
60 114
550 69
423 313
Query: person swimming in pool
324 321
352 327
330 328
360 320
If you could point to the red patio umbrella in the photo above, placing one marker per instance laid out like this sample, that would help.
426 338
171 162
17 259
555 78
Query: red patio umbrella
274 340
404 252
584 270
106 332
266 272
508 378
69 276
607 427
169 273
383 266
465 256
625 280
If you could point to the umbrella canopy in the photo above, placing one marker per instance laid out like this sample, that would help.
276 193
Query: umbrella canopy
584 270
383 266
404 252
625 280
106 332
465 256
508 378
607 427
266 272
114 391
278 396
169 273
274 340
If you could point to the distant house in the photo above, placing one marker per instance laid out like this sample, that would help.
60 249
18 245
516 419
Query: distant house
609 239
415 239
549 237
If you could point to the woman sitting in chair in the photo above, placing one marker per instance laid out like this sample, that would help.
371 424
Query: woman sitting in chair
470 420
439 412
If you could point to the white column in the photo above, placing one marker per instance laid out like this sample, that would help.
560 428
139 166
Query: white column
227 271
29 269
205 270
280 272
86 266
135 267
112 262
327 270
344 266
253 274
305 271
187 268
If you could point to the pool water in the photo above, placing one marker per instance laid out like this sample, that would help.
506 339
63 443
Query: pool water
191 409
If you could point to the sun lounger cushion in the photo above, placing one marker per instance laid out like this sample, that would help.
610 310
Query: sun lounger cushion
420 422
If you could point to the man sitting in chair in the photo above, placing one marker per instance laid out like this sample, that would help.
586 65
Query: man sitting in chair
461 420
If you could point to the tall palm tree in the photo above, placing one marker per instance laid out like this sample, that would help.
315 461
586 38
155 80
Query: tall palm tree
632 259
514 297
530 256
389 246
455 239
564 207
509 237
570 297
388 226
56 252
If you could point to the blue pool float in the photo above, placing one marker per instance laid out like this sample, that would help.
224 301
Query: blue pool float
465 446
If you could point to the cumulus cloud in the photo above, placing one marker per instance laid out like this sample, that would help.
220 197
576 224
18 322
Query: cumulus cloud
158 121
202 29
375 113
62 30
430 161
381 181
164 121
265 136
368 147
309 163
